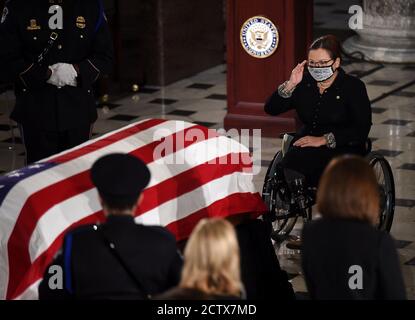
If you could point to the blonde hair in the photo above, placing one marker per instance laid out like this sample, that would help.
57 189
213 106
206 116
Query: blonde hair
349 189
211 259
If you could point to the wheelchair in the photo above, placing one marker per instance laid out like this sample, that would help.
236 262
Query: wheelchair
286 202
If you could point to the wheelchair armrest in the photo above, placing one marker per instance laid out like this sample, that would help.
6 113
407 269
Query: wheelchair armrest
367 145
289 133
287 138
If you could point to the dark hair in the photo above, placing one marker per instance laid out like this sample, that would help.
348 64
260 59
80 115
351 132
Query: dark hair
348 189
119 203
329 43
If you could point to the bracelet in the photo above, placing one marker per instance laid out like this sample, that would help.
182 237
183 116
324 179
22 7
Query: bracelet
285 93
330 140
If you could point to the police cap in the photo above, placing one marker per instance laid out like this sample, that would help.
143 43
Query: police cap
120 176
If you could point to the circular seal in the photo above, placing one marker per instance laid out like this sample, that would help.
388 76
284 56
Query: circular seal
259 37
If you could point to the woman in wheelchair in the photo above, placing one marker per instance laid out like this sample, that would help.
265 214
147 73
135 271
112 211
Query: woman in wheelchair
335 111
333 106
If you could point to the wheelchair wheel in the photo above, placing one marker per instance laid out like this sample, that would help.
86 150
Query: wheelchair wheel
279 216
386 183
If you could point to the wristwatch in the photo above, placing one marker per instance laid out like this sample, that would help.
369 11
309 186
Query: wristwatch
330 140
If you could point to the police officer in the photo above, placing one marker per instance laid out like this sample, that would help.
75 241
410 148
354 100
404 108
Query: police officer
54 51
118 259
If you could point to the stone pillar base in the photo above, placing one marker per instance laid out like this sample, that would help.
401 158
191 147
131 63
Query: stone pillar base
378 52
388 33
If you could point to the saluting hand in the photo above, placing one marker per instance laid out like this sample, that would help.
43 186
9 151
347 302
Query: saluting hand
296 75
310 141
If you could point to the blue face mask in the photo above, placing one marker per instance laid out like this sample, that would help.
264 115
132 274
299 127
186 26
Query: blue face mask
321 73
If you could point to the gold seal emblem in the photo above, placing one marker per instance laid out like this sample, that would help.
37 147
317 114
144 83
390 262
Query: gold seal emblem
33 25
259 37
80 22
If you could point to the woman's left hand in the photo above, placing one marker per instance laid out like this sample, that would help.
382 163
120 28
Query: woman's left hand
310 141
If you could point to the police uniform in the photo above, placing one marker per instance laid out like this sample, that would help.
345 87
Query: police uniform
53 118
118 259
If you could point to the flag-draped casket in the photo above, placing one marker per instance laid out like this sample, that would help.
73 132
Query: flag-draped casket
196 173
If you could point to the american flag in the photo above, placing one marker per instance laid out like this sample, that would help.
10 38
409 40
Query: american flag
192 178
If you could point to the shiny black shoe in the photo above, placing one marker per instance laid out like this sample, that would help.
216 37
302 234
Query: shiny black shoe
295 243
278 237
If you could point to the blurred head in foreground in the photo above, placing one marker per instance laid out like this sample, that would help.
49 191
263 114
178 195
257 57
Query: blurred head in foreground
348 189
212 259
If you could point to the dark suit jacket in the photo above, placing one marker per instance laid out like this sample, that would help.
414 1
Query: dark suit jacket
334 250
91 271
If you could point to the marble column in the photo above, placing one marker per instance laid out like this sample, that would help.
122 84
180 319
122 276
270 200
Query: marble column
388 33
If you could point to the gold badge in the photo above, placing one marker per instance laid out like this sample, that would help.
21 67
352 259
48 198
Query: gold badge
80 22
33 25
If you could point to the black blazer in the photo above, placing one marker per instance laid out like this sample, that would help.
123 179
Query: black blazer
344 109
332 247
91 271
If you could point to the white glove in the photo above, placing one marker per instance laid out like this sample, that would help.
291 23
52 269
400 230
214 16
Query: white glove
63 74
54 79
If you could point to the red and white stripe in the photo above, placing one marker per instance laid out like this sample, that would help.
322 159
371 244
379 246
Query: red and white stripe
188 183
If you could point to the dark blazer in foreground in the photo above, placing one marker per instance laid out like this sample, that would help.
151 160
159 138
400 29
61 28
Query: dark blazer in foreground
332 247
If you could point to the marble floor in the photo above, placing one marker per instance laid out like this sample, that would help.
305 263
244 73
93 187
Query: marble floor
202 99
